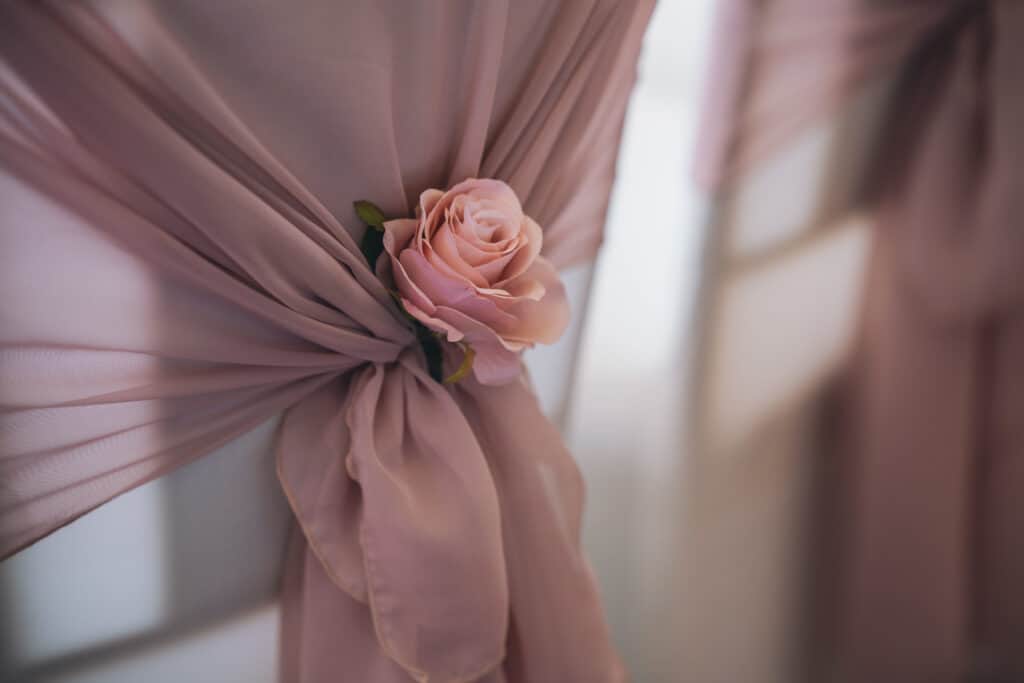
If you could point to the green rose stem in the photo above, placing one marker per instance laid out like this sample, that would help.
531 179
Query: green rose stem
372 246
464 367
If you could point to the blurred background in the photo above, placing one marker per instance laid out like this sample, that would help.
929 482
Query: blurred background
797 402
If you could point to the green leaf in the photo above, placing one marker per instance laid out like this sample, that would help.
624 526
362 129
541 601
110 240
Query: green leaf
370 214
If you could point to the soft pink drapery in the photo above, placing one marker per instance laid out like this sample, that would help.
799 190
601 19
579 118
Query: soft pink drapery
176 266
928 542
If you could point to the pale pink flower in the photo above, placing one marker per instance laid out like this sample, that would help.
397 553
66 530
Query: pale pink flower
469 266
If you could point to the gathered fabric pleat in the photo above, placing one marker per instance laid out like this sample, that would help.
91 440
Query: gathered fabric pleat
179 262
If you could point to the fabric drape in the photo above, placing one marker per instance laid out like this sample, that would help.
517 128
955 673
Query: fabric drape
178 263
931 448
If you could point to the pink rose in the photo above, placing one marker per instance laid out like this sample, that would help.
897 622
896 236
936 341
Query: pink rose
469 266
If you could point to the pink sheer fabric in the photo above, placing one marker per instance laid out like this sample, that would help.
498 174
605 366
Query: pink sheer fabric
932 453
178 264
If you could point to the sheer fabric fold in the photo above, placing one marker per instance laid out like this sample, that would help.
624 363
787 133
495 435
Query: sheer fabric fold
175 270
932 437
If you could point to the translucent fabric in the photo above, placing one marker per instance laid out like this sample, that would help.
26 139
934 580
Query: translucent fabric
179 262
931 439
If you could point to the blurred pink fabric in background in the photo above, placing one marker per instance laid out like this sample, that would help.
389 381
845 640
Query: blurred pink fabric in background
179 263
923 580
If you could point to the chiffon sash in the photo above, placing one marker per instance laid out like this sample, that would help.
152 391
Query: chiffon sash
167 282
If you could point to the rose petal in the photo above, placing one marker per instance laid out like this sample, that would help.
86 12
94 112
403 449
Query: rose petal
486 226
405 286
493 190
398 233
474 254
439 288
471 233
445 247
532 239
482 249
522 287
491 271
442 266
432 209
436 324
490 265
428 200
544 320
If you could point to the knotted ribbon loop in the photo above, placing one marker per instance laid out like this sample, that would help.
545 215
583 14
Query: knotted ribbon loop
396 501
450 518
